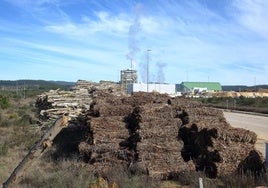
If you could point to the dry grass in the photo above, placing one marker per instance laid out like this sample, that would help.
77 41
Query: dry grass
17 135
10 161
68 174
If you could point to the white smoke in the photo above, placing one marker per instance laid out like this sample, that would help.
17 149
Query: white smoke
134 29
160 72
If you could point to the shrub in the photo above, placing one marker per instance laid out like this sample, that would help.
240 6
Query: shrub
3 149
4 102
13 116
244 180
64 174
5 123
23 120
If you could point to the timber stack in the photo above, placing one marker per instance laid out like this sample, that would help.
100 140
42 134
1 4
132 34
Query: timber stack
56 103
150 132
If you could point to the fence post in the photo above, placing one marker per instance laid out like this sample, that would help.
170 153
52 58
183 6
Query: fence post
200 183
266 154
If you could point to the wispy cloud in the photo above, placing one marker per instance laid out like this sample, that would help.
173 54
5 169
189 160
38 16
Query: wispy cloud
253 15
104 23
224 41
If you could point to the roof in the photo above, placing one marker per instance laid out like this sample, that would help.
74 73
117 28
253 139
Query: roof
209 85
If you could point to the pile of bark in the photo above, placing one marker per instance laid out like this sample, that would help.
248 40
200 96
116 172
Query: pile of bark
162 136
150 132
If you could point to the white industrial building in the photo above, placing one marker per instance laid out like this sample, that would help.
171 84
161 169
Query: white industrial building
160 88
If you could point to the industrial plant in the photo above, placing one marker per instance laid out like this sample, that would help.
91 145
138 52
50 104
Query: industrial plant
129 84
128 76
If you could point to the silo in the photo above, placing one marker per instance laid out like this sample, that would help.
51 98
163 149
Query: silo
128 76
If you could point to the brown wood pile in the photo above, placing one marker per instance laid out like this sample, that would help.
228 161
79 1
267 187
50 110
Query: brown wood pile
159 150
150 132
162 136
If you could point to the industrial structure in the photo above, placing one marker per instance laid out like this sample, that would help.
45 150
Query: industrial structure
128 76
152 87
199 87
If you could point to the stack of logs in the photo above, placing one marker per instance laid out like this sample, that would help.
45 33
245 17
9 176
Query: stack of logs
55 103
156 134
163 136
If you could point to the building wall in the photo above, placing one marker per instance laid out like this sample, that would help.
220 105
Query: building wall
160 88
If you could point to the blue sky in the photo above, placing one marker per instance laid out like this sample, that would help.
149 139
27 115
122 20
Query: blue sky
190 40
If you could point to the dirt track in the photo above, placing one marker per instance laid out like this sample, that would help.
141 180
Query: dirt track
258 124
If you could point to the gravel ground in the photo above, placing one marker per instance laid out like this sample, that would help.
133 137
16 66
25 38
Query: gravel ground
258 124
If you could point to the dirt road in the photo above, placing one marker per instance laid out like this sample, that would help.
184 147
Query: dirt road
258 124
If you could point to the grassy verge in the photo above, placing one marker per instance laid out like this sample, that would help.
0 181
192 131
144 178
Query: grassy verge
258 104
18 131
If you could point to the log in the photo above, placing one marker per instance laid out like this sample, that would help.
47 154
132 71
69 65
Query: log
37 150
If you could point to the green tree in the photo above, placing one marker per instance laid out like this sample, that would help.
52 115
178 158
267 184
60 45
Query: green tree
4 102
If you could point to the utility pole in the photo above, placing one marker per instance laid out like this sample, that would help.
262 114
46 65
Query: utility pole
148 58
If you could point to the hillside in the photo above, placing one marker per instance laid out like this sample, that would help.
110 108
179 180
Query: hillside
24 88
243 87
33 83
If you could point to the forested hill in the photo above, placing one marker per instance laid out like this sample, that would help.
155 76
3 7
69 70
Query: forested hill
32 87
35 83
244 88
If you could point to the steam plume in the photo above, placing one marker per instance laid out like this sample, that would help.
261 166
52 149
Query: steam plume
160 72
132 36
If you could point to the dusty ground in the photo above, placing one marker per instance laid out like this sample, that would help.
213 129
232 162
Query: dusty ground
258 124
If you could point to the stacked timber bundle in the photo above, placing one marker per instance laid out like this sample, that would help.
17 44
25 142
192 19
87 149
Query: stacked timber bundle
160 135
56 103
105 86
108 130
211 143
159 150
165 136
104 151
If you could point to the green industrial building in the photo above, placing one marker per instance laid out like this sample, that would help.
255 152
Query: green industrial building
193 87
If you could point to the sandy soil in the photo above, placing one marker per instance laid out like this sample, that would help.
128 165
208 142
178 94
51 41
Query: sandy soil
258 124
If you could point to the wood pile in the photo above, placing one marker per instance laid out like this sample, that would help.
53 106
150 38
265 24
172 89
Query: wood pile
105 86
56 103
154 133
159 150
163 136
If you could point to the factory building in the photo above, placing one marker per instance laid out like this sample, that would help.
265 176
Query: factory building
160 88
199 87
127 77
